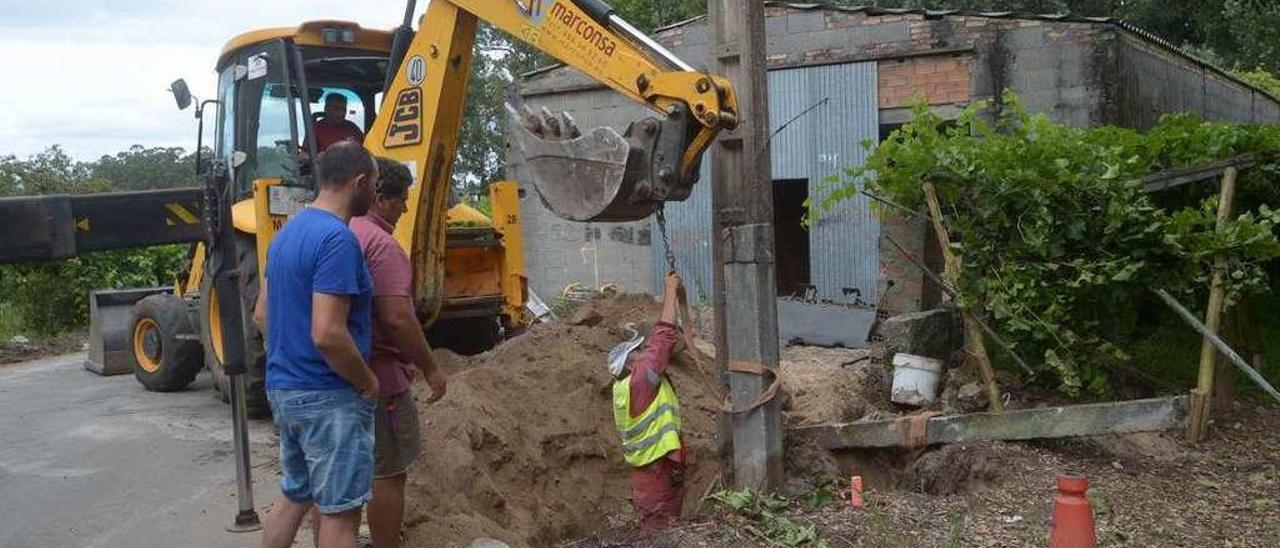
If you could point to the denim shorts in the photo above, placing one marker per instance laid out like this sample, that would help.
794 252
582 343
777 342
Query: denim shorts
326 447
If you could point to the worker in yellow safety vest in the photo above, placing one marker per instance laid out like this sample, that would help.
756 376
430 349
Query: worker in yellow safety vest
647 414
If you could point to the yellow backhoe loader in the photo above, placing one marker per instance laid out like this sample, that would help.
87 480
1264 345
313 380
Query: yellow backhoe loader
406 89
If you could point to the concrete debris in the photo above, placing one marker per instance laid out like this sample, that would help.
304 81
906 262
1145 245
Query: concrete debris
932 333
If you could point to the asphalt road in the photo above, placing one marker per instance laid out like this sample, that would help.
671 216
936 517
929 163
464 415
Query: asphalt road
88 461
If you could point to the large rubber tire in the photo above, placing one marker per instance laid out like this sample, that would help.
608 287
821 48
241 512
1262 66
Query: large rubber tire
165 354
255 352
466 336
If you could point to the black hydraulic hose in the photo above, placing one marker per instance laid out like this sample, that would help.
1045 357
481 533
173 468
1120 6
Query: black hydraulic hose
597 9
400 41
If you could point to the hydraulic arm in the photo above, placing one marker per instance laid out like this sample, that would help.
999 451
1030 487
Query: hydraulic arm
593 175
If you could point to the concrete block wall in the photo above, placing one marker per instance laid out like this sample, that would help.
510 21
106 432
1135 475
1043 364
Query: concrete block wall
1154 80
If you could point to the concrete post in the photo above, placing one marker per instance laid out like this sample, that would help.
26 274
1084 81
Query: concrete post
743 206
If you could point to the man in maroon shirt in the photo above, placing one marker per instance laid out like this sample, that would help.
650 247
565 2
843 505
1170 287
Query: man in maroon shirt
656 487
334 126
400 351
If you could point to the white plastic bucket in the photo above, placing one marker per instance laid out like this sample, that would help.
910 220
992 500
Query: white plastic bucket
915 379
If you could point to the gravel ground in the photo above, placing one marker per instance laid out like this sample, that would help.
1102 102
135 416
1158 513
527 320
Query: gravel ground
1146 490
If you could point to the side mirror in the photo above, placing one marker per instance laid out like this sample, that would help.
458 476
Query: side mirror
180 93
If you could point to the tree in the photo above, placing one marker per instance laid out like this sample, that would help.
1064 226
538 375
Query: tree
49 172
498 61
648 15
141 168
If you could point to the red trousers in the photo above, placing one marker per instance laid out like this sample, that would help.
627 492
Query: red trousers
656 492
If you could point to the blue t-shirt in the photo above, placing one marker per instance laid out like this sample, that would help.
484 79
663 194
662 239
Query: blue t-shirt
314 252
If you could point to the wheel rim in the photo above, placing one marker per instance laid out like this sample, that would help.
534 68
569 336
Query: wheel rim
146 344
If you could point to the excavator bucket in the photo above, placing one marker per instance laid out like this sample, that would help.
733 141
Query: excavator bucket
600 175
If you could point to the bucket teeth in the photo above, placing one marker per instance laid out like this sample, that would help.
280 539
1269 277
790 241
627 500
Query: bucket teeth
569 126
552 123
597 175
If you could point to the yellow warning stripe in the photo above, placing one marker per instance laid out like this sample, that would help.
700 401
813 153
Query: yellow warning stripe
182 213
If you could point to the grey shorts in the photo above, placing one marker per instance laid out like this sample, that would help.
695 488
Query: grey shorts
397 438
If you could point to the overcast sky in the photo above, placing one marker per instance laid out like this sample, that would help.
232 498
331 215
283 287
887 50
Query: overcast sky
93 75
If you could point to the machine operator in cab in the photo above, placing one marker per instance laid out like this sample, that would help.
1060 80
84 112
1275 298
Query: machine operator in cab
334 127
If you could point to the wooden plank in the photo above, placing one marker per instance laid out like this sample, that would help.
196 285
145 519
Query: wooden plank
1092 419
1178 177
976 346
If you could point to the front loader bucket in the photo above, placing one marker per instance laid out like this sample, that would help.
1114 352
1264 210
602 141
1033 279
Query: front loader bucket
110 332
600 175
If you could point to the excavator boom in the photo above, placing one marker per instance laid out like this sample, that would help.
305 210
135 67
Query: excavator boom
593 175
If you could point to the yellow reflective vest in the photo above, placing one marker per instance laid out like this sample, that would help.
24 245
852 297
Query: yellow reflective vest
655 432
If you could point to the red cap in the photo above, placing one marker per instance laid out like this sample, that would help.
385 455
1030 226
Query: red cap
1073 482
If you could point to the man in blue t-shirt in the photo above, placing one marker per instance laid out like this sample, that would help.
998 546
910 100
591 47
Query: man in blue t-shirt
316 307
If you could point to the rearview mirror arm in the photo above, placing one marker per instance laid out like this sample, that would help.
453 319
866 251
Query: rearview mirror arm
200 130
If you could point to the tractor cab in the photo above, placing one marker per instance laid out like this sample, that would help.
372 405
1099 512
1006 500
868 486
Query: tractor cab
272 88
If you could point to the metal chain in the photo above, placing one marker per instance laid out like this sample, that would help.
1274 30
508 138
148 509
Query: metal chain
666 241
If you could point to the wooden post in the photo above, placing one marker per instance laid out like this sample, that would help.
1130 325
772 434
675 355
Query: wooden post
742 190
1202 395
976 346
1229 328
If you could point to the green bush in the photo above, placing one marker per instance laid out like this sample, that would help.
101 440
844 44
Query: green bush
1060 242
51 298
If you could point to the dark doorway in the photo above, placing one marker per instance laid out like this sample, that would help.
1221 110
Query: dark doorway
792 237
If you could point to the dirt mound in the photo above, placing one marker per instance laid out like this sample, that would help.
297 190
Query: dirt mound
830 385
621 309
523 447
951 469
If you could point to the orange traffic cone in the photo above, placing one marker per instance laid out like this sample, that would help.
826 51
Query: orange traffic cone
1072 516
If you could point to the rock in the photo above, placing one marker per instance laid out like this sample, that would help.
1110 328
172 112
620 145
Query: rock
933 333
971 398
586 316
488 543
19 339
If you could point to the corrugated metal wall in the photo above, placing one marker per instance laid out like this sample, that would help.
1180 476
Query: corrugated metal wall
844 243
844 246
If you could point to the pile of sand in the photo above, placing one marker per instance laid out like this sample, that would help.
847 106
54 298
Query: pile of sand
523 446
829 385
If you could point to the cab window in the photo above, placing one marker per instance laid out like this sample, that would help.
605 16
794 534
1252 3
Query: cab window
276 147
